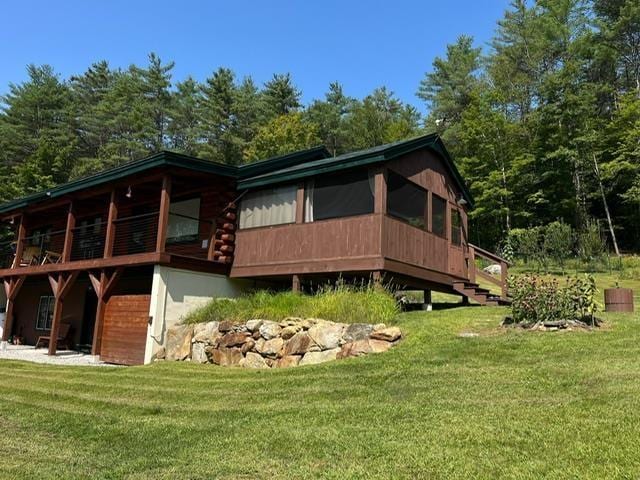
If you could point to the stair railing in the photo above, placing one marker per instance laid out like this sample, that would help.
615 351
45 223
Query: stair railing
475 272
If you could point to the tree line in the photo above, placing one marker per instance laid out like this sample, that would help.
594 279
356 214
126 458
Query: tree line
544 125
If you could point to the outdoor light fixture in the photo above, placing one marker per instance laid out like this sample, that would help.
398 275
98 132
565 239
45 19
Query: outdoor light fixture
12 221
129 194
462 202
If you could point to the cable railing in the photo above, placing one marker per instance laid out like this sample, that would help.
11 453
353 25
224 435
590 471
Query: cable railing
188 236
135 234
88 242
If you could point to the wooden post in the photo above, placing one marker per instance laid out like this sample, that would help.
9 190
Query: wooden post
22 233
163 217
111 227
12 288
472 264
103 287
300 203
380 198
376 276
61 288
427 303
429 222
295 284
68 235
504 272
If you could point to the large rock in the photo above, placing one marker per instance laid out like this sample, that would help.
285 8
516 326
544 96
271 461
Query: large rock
388 334
290 331
253 360
227 357
379 346
494 269
357 331
254 325
326 335
312 358
289 361
179 342
271 348
300 344
355 349
225 326
206 332
198 353
248 345
233 339
269 329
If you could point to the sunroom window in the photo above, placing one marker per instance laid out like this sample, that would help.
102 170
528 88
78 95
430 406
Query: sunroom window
270 206
183 221
456 227
438 215
406 200
339 195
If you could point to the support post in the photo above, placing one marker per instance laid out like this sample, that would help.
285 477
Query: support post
300 203
427 304
380 195
504 273
472 264
61 289
103 288
12 288
111 227
163 217
68 234
22 234
295 284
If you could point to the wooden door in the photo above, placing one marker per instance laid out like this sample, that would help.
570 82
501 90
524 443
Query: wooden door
124 335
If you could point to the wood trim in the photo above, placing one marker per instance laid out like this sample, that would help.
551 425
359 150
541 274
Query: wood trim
69 233
163 217
111 227
361 264
380 193
104 289
300 203
107 288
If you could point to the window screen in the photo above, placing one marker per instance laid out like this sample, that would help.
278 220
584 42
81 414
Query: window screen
438 215
183 221
456 227
340 195
272 206
405 200
45 313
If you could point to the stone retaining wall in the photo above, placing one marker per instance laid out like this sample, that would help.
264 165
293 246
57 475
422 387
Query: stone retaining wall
268 344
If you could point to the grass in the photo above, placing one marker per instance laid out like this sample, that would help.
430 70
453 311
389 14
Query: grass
340 303
505 404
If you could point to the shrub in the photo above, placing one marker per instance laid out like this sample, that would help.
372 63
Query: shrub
340 303
591 243
538 300
558 242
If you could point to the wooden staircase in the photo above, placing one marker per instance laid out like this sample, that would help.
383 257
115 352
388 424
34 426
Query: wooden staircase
481 295
469 289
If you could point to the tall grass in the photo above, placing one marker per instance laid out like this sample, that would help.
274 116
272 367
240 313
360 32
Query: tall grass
345 303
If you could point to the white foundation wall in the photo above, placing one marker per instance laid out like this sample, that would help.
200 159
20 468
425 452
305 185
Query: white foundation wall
176 292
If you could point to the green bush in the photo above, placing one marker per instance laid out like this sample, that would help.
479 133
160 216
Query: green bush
538 300
592 245
339 303
558 242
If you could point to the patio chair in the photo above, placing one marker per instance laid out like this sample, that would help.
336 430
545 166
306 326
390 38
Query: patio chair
64 337
30 256
51 257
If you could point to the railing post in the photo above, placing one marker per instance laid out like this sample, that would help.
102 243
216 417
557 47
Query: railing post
22 234
110 234
68 234
163 217
300 203
380 191
472 264
504 273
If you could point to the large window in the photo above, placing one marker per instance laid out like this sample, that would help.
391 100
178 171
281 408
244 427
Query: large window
406 200
438 215
45 313
183 221
272 206
456 227
339 195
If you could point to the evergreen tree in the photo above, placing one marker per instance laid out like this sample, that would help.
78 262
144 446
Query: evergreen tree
280 96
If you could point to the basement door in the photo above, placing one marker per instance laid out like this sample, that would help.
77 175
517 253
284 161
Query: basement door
124 334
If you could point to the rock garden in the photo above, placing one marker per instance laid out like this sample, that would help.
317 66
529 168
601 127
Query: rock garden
269 344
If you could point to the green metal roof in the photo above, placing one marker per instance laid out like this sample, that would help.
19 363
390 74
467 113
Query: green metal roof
379 154
280 169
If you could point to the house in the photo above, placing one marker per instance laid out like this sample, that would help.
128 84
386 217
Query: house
114 259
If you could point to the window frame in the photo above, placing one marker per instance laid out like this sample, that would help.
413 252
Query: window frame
271 225
445 204
185 239
454 211
50 299
425 213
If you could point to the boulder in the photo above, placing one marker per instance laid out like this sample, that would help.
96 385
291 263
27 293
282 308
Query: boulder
379 346
233 339
389 334
248 345
355 349
290 331
326 335
289 361
254 325
357 331
198 353
253 360
271 348
179 342
269 329
160 354
312 358
225 326
227 357
307 323
299 344
292 321
494 269
206 332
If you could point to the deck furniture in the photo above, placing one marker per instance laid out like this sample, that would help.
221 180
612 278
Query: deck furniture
51 257
30 256
64 337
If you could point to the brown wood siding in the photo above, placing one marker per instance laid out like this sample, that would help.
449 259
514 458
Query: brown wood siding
345 239
125 329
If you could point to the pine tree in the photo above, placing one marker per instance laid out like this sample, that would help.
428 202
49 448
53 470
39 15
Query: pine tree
280 96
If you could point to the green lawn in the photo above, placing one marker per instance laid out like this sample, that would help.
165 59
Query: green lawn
505 404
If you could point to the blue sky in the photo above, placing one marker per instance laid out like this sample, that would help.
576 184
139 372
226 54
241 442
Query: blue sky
362 44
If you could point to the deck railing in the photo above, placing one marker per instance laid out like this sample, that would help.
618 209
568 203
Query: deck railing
135 234
479 259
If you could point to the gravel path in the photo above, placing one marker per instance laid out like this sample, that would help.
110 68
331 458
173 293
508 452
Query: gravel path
63 357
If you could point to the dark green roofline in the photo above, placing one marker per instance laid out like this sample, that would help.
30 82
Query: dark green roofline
380 154
171 159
